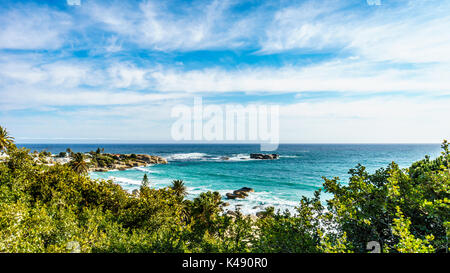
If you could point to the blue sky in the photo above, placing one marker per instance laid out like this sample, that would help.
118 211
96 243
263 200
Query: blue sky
110 71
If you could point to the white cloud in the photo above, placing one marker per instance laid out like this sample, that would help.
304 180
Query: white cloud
387 119
411 32
402 48
346 75
127 75
32 27
392 119
152 25
39 98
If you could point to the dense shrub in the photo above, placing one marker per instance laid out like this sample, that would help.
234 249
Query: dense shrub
56 209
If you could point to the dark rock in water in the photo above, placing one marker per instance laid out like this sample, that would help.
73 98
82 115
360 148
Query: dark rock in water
260 214
224 158
226 204
241 193
231 196
246 189
264 156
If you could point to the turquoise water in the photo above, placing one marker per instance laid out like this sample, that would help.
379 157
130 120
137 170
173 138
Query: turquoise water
279 183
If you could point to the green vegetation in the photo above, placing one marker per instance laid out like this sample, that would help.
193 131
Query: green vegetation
60 209
145 181
5 139
78 164
179 188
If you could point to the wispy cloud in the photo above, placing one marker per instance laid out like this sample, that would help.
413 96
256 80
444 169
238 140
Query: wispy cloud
412 32
159 26
33 27
103 61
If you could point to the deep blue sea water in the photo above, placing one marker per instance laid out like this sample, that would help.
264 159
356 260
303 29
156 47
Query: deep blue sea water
279 183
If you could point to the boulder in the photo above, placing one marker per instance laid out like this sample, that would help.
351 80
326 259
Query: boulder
246 189
260 214
241 194
231 213
231 196
264 156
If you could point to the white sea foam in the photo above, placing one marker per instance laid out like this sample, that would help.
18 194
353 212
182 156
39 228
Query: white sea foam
145 169
206 157
123 180
186 156
289 156
258 201
253 203
239 157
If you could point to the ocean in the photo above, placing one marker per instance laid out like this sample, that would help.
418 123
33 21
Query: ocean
280 183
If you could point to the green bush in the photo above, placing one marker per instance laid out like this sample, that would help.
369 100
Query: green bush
55 209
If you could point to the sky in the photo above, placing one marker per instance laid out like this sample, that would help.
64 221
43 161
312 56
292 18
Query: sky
353 71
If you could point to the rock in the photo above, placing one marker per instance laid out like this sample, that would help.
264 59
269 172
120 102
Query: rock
264 156
123 162
224 158
226 204
231 213
260 214
231 196
246 189
240 193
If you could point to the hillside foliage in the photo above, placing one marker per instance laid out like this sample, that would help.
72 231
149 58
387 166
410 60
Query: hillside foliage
60 209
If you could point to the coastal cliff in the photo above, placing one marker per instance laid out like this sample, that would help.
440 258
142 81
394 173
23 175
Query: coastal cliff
121 162
100 162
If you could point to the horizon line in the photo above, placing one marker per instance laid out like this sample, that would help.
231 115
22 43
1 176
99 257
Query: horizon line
214 143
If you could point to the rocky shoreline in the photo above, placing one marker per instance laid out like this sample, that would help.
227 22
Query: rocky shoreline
123 162
264 156
100 162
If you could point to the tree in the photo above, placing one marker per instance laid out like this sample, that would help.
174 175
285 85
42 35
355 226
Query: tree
408 243
366 207
446 153
5 139
78 164
145 181
179 188
205 211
